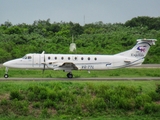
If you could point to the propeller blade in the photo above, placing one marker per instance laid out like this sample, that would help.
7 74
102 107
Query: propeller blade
44 68
44 62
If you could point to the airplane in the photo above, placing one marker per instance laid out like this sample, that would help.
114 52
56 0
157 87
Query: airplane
69 62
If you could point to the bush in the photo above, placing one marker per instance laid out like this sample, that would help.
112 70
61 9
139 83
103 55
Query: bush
4 102
126 104
37 93
31 96
158 89
52 95
99 104
141 100
77 109
20 107
155 96
36 105
15 95
42 95
151 108
45 113
4 107
49 103
73 99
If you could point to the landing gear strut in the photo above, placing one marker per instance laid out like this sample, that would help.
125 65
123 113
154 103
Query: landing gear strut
70 75
6 74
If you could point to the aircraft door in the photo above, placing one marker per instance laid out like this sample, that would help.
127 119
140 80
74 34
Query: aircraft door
36 61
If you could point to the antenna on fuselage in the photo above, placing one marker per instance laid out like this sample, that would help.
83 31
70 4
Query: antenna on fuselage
72 47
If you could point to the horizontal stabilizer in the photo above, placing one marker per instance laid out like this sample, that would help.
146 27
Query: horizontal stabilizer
150 41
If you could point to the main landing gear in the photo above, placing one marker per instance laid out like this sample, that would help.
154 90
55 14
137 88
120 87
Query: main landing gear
70 75
6 74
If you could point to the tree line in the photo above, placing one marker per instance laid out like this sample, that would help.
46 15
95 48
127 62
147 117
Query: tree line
93 38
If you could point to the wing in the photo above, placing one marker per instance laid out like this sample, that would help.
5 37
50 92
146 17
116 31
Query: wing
61 65
69 65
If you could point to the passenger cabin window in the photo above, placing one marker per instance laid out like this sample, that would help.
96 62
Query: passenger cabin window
55 58
69 58
62 58
88 58
82 58
95 58
49 58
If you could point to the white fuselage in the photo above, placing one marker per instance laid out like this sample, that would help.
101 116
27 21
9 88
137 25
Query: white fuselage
82 62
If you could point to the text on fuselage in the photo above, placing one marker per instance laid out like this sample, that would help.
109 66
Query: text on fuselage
87 67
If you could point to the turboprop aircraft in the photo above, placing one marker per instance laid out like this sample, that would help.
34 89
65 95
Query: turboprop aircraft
69 62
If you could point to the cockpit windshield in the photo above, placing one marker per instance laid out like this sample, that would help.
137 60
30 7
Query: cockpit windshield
27 57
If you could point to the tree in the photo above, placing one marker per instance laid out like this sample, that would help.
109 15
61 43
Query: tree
144 21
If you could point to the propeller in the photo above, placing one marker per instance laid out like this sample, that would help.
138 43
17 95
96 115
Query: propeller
44 60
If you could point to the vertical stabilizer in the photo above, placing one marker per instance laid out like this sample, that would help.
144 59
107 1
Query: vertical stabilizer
140 50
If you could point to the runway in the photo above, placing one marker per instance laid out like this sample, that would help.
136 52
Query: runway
83 79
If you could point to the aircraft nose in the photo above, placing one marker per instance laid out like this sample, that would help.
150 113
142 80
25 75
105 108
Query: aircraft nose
12 63
5 64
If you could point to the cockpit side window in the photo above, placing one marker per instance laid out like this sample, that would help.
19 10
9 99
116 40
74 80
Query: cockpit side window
29 57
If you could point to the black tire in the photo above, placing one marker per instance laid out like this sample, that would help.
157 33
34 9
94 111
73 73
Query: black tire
6 76
69 75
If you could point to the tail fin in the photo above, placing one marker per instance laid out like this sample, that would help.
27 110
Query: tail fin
140 50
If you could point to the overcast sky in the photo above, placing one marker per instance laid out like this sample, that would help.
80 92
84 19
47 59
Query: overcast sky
76 11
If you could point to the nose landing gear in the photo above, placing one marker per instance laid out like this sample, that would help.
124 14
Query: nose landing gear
6 74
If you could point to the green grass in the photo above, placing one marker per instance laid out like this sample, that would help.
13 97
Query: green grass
123 72
23 85
135 117
78 100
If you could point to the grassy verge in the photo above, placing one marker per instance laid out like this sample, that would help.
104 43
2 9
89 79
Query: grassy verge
80 100
124 72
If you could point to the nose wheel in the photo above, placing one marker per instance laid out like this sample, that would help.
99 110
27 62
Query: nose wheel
6 74
70 75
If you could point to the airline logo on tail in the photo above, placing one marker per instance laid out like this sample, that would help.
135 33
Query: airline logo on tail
140 51
141 48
